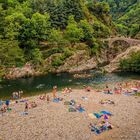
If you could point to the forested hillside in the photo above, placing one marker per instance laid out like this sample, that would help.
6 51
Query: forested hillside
59 24
126 15
47 33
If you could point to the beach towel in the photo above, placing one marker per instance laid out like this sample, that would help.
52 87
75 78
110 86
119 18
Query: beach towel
67 103
105 117
24 113
71 109
81 110
97 115
84 98
106 113
23 101
96 130
56 100
9 109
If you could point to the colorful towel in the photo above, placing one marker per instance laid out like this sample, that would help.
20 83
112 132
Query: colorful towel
81 110
56 100
97 115
106 113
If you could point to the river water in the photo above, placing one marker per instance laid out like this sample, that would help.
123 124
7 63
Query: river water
43 84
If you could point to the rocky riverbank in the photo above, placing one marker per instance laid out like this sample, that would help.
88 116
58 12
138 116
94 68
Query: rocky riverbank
52 121
107 61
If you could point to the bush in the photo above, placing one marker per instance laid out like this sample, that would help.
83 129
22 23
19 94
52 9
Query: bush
59 60
131 64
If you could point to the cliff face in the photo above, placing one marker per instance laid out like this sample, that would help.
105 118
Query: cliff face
114 64
78 62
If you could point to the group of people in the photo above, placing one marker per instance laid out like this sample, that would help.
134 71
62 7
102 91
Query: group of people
102 126
4 106
17 95
30 105
66 90
126 87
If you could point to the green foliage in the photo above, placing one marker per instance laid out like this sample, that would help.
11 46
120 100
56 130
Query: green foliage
122 29
59 60
56 38
132 63
36 56
40 26
73 33
87 30
11 54
126 15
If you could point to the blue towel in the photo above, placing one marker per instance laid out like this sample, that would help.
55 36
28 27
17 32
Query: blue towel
106 113
56 100
81 110
97 115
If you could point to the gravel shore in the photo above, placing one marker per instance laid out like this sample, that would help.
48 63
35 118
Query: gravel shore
52 121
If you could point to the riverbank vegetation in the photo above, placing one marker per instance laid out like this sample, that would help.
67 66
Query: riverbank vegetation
132 63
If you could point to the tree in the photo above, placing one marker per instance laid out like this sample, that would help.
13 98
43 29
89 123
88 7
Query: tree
40 26
87 29
11 54
36 56
14 23
2 21
56 38
73 33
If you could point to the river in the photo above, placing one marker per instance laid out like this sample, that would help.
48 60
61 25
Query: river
43 84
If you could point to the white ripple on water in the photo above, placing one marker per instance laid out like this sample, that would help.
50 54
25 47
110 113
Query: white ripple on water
40 86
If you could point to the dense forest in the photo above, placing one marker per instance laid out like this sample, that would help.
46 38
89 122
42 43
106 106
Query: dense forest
33 30
126 15
24 24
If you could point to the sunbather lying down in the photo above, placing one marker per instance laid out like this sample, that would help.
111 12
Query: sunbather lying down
32 104
106 101
66 90
42 97
101 127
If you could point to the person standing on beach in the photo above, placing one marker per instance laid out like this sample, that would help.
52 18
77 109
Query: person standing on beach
26 107
7 102
54 91
48 98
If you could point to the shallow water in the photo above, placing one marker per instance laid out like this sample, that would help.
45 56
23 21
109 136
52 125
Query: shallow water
34 85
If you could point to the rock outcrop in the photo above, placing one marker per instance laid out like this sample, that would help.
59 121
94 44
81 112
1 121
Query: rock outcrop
80 61
17 72
114 64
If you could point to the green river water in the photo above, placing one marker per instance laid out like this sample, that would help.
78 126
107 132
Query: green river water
43 84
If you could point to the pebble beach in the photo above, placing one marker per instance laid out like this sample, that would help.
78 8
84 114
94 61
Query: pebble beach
53 121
